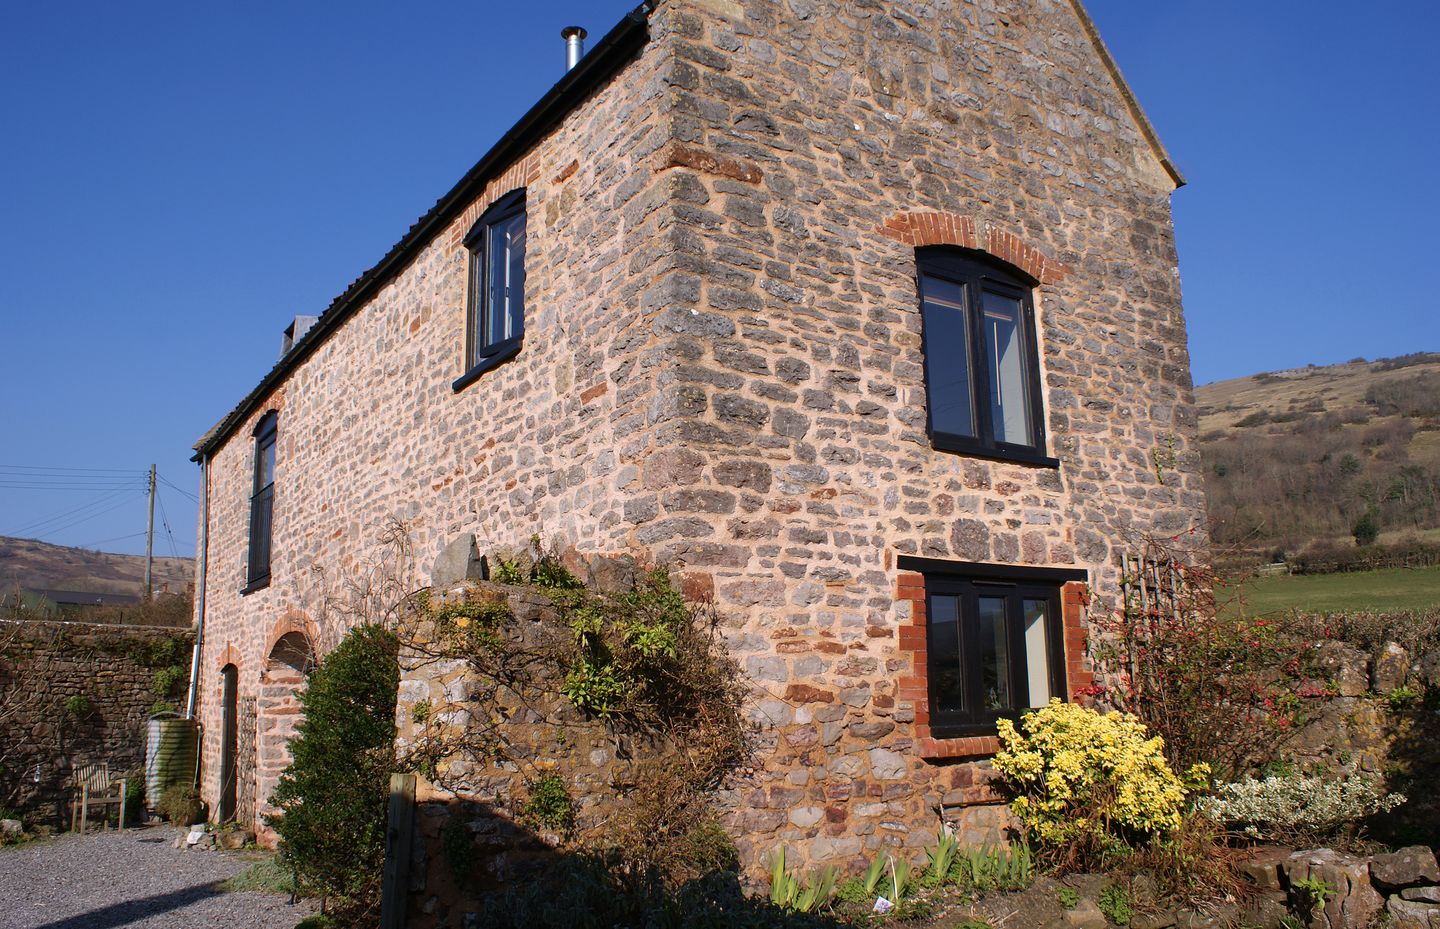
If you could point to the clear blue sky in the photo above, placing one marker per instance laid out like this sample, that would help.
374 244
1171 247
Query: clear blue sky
181 179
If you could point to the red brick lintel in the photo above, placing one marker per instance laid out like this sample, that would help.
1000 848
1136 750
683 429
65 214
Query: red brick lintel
918 229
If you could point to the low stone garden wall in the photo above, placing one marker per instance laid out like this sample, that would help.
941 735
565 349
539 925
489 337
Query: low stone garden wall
77 693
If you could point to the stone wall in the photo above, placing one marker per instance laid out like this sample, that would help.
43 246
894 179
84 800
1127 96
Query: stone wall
1375 714
722 372
44 664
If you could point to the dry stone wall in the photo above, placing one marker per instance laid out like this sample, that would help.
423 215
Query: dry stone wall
103 672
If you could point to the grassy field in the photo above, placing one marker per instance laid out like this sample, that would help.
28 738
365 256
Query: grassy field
1373 591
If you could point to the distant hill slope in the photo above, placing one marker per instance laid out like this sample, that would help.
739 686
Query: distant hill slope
1299 456
39 565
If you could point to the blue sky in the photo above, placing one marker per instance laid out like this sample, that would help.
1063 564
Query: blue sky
181 179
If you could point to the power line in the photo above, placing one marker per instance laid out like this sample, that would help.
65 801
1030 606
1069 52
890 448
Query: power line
165 521
62 516
118 538
180 490
85 519
11 467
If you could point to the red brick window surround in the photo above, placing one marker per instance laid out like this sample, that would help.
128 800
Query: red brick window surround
915 687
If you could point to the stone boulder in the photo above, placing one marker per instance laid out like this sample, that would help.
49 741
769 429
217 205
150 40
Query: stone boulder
11 830
1390 670
1408 867
460 561
1355 902
1411 914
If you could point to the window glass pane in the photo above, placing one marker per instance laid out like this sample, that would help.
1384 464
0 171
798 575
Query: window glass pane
944 644
506 277
947 356
265 463
1004 338
1037 651
480 302
515 278
994 654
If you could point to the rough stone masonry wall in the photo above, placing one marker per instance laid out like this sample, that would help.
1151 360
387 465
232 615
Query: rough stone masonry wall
371 431
722 371
42 664
792 462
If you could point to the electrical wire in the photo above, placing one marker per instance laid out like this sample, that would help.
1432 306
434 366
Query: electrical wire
60 517
85 519
118 538
13 467
165 522
180 490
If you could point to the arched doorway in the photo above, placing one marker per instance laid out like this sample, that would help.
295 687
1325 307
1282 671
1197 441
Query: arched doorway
229 742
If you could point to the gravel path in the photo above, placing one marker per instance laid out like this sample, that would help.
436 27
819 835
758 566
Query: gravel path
134 879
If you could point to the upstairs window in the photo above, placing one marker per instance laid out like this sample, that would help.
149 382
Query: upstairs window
262 503
496 299
981 363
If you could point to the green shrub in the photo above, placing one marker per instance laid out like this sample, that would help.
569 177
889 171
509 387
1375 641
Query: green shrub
1089 786
1068 897
1366 529
180 804
550 804
1114 902
164 681
78 705
333 796
135 797
1294 808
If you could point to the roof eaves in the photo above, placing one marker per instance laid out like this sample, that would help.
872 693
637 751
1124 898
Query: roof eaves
1146 127
602 62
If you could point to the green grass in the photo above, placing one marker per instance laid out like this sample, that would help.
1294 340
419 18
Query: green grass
1382 591
266 875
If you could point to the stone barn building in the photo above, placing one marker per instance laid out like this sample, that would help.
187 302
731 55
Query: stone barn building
864 317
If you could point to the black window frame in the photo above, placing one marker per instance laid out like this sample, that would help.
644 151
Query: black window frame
483 353
978 273
262 505
1017 584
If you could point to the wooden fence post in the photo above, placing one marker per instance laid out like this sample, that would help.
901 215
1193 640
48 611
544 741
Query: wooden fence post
395 884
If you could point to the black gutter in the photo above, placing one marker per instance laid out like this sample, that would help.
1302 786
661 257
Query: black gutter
607 57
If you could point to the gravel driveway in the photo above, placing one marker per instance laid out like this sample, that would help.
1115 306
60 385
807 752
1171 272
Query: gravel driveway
135 879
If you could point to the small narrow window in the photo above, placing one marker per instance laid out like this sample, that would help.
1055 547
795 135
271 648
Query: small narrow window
496 293
262 503
981 361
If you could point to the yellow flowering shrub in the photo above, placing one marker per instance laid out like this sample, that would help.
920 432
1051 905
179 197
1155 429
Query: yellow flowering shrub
1089 785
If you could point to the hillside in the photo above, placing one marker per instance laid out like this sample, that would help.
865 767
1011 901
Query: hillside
34 564
1301 456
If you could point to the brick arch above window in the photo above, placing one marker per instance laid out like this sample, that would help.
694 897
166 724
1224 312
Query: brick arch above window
228 657
294 621
918 229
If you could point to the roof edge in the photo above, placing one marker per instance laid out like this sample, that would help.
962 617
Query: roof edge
1147 129
606 58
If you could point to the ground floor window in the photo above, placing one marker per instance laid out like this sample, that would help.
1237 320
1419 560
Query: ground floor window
994 642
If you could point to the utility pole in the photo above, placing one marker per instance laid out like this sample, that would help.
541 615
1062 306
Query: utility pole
150 536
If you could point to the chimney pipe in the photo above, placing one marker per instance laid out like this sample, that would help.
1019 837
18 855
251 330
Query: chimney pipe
574 37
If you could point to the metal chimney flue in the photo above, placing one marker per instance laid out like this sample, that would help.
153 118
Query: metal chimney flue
574 37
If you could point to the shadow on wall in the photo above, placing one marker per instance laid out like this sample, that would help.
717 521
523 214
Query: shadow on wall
475 866
1412 768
